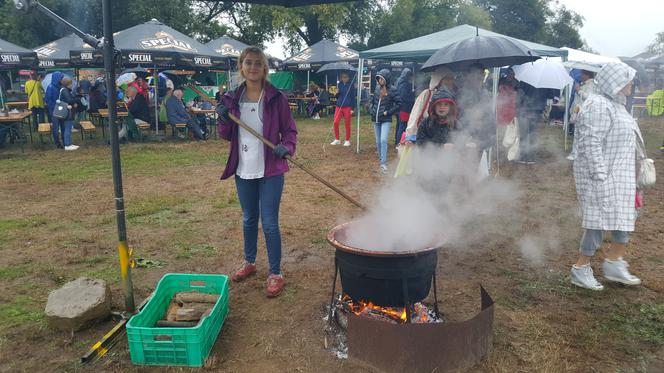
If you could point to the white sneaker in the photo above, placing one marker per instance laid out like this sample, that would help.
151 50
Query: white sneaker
617 271
71 147
335 142
346 143
583 277
383 169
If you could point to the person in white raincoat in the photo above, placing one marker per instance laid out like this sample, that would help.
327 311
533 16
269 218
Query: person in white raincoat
605 176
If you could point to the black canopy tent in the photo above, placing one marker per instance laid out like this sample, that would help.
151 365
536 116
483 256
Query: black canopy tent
231 49
315 56
154 44
13 57
57 53
157 46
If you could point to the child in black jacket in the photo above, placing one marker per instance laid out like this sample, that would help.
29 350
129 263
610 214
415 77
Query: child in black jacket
438 128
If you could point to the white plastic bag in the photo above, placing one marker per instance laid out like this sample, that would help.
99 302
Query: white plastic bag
511 133
483 167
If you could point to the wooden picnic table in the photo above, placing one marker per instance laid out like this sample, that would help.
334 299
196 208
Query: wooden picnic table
14 122
17 103
202 111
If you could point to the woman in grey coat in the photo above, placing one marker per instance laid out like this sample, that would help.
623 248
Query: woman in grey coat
605 176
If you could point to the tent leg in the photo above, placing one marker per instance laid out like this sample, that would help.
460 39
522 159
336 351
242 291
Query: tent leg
496 76
156 100
358 76
568 96
307 89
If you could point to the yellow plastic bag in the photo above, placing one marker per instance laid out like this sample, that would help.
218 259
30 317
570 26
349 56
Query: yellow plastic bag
403 168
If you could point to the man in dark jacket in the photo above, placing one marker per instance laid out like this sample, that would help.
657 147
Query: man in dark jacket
530 105
476 109
405 89
384 105
177 114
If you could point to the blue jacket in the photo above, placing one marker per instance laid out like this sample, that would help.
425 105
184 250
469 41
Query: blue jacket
53 91
175 111
405 89
346 95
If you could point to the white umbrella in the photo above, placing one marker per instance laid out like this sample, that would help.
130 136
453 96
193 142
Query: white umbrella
543 74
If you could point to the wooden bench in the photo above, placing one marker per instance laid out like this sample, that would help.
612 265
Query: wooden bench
180 126
87 127
43 129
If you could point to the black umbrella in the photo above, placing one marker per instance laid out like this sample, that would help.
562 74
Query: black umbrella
336 66
14 57
490 51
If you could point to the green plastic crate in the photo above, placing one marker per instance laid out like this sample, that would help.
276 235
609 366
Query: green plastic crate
177 346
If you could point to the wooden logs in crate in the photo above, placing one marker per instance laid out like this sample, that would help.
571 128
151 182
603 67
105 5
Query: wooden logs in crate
187 309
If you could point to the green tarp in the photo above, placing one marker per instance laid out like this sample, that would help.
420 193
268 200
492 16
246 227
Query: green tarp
423 47
282 80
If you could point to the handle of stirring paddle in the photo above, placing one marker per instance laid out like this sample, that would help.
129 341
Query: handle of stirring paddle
293 161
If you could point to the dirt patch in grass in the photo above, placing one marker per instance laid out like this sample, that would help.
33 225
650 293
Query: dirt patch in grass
58 222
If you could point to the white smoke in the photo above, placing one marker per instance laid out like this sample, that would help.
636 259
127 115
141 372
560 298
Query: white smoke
441 202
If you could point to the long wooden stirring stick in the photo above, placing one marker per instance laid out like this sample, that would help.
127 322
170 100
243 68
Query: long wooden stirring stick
270 145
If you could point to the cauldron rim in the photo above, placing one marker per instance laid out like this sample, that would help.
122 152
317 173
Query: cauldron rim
331 238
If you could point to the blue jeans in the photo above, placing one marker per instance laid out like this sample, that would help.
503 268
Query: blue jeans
592 240
401 127
62 126
261 198
382 130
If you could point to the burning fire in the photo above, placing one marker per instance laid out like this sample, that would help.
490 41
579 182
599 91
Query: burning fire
419 313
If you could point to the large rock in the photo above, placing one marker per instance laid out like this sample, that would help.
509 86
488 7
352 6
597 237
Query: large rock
78 304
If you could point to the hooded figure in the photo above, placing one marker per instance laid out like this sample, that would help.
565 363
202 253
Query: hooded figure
421 105
405 89
605 167
383 107
53 92
605 176
435 129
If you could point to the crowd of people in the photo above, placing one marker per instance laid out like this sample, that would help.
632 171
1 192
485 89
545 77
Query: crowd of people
454 108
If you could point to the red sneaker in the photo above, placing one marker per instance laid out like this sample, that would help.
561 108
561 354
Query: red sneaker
275 284
246 269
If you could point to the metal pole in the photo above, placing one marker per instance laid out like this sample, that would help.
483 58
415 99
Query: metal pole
568 97
496 76
307 90
123 249
156 99
360 81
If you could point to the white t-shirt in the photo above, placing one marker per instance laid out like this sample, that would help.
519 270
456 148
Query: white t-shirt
252 151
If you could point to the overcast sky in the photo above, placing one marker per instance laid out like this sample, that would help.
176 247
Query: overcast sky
612 28
619 28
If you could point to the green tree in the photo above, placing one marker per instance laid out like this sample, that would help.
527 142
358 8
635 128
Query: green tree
657 45
562 29
521 19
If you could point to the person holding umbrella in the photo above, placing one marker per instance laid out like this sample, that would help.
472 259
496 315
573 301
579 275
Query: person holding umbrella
346 97
605 176
384 104
259 173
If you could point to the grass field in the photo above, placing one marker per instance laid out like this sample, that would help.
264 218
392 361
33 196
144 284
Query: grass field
57 222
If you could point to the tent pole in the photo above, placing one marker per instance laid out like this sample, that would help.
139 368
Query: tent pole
358 101
11 80
156 99
568 95
307 90
496 76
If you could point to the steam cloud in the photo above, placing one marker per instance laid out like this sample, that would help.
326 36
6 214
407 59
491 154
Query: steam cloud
440 203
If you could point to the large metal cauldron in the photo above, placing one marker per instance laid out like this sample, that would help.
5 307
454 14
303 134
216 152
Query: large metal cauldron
388 279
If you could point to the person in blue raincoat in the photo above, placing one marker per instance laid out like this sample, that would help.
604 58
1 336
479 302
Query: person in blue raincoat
52 93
